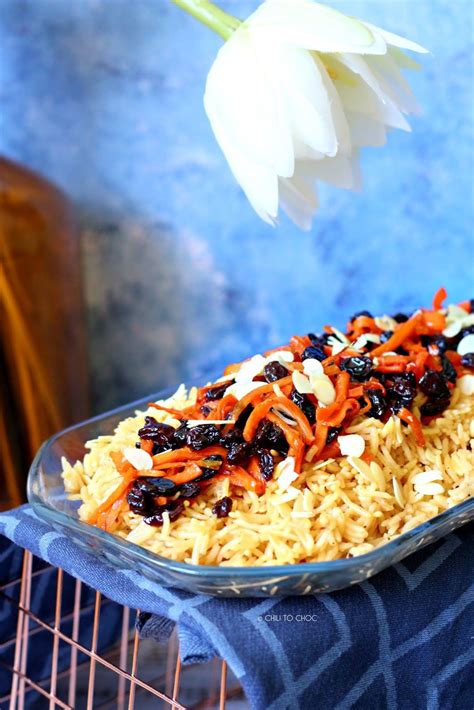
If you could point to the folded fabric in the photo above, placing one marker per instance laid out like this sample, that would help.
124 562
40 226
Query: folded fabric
404 639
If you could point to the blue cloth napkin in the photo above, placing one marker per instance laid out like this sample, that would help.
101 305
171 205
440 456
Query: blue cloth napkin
403 640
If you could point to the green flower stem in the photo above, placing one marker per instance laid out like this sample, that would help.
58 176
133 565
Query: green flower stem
210 15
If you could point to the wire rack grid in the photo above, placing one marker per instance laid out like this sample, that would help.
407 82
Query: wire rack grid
67 646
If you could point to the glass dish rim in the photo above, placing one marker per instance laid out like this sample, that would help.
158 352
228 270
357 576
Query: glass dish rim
51 514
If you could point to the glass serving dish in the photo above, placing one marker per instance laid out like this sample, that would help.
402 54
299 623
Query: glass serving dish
47 496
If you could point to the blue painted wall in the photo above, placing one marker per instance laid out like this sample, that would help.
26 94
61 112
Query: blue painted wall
105 98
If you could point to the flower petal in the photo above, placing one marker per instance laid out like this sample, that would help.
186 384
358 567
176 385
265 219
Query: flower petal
396 40
313 26
306 99
239 92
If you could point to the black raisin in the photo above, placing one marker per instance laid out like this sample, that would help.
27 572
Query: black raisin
205 410
201 436
217 392
156 485
274 371
378 402
267 464
400 317
209 472
314 352
368 314
242 418
179 436
139 502
269 436
223 507
401 394
174 510
161 434
468 360
449 370
359 368
189 490
233 436
434 385
333 432
305 404
319 340
239 452
433 407
386 335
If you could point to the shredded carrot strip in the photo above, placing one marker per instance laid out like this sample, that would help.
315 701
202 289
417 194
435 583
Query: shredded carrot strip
324 414
415 424
187 454
348 407
404 331
434 321
465 305
189 473
239 477
288 407
439 298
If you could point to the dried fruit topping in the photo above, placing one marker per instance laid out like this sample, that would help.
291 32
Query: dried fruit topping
239 452
222 508
359 368
304 403
386 335
400 317
433 384
156 485
217 392
449 371
468 360
174 510
314 352
267 463
379 404
189 490
201 436
161 434
333 433
269 436
367 314
433 407
274 371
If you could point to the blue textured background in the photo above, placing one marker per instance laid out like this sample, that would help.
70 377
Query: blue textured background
105 98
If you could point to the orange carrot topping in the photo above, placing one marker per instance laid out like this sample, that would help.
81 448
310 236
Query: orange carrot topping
239 477
439 298
434 321
404 331
287 407
415 424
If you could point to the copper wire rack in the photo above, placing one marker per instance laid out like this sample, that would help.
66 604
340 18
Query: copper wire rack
81 651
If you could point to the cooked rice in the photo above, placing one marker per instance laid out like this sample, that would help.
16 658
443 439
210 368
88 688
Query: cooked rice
335 509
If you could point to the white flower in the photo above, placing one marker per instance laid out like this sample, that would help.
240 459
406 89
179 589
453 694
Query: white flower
295 92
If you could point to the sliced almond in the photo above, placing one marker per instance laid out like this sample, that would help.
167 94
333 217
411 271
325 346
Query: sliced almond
466 384
398 492
311 366
250 368
285 473
466 345
323 389
240 389
351 444
301 383
140 459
